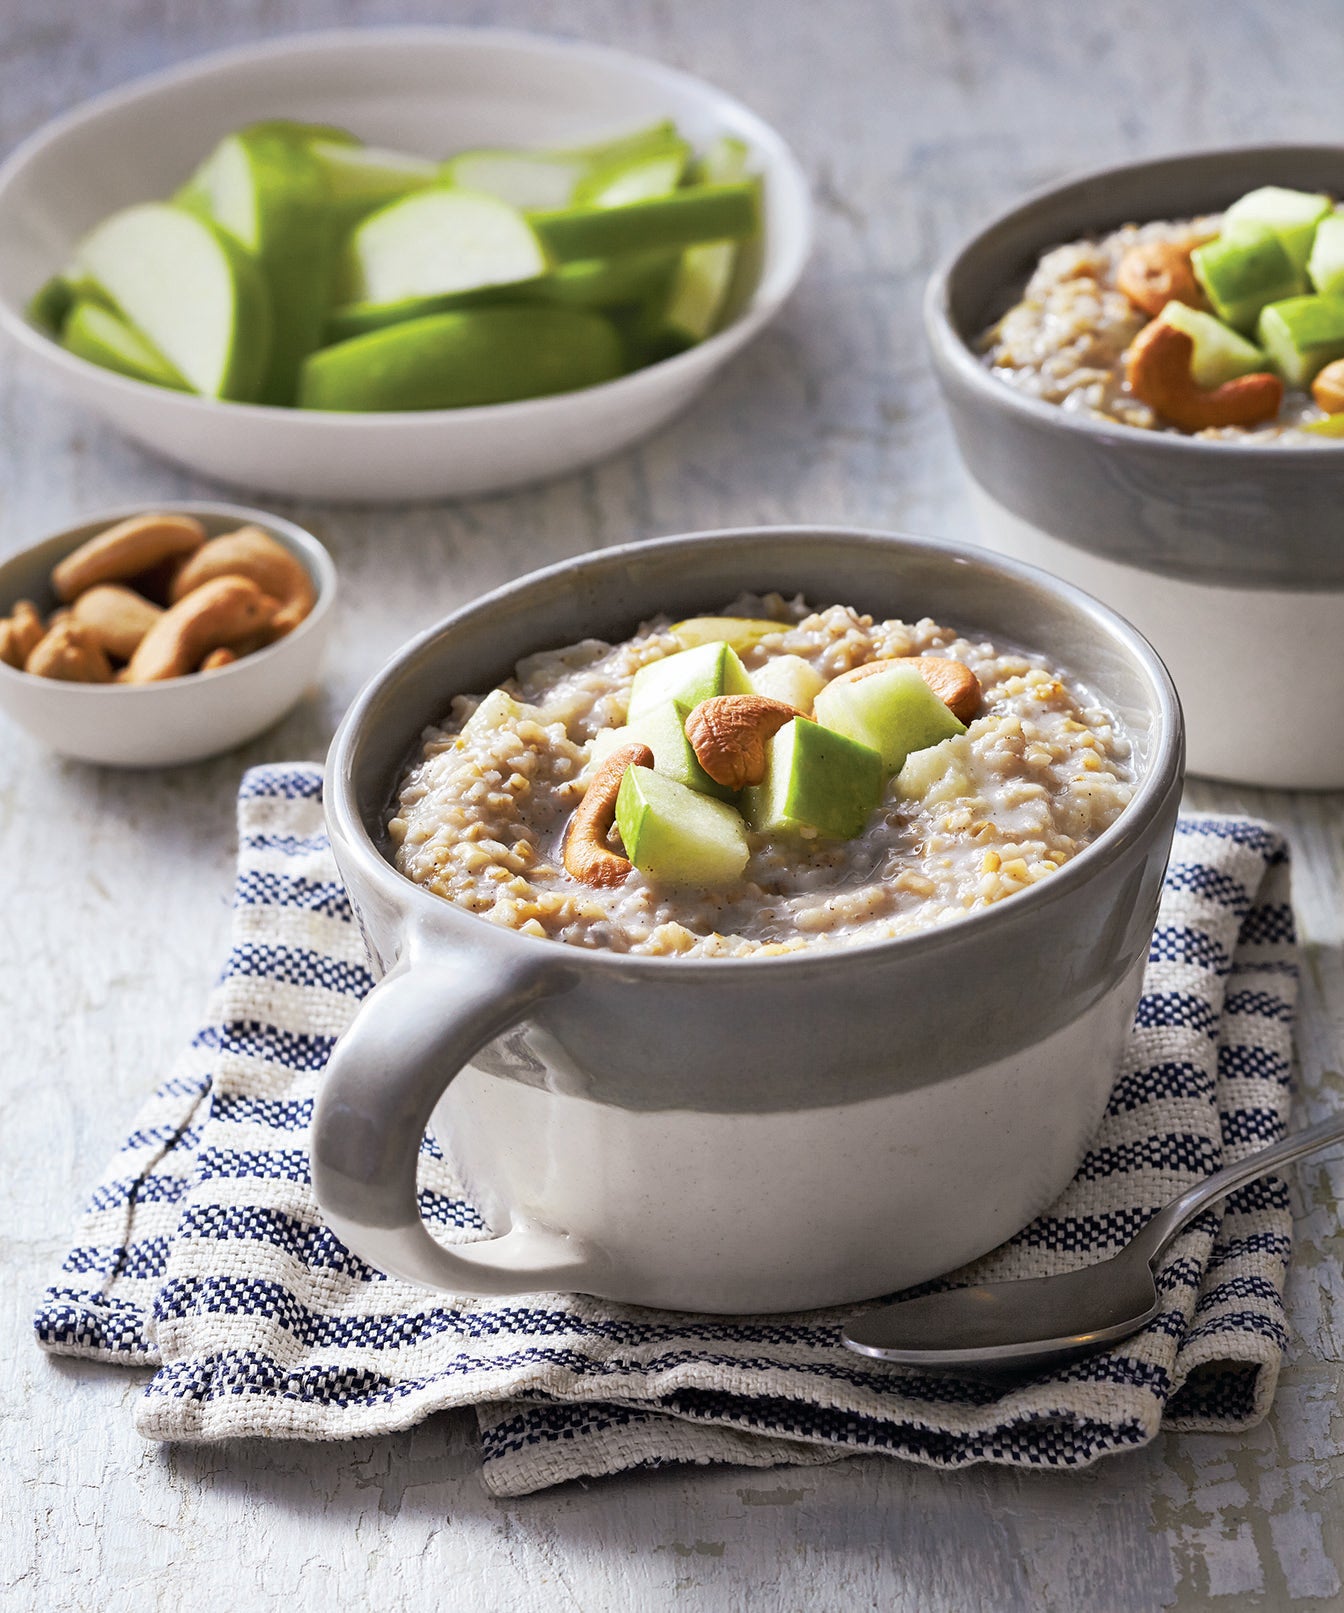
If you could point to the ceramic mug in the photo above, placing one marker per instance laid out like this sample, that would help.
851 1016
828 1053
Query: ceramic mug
1225 554
755 1134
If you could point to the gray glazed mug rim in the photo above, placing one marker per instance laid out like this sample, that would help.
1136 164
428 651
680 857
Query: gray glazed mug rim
422 910
952 349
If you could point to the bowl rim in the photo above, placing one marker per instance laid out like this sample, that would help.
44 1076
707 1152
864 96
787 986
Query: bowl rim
421 910
953 354
311 550
796 245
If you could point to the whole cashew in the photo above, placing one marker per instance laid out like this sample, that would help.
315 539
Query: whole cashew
20 633
1327 390
1158 371
1155 273
952 681
220 612
117 617
250 552
71 654
729 734
216 659
125 550
587 857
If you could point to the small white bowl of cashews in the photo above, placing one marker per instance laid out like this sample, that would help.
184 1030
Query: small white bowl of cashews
160 635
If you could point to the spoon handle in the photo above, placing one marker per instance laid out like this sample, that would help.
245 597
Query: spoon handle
1164 1226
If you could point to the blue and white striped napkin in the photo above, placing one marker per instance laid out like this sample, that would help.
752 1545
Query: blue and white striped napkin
202 1254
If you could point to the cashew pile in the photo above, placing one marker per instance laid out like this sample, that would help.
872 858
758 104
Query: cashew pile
153 597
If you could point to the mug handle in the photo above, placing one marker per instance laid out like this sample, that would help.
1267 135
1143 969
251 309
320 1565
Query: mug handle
413 1033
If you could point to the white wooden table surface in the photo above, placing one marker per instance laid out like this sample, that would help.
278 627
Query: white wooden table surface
914 119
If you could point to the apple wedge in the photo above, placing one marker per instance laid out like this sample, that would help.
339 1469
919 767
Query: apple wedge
675 836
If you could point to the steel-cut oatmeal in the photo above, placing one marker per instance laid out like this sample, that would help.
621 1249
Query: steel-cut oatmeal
1038 774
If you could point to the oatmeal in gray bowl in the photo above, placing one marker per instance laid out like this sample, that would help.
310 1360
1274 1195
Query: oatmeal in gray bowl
774 778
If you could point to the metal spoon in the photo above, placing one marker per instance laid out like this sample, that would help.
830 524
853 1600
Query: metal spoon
1041 1321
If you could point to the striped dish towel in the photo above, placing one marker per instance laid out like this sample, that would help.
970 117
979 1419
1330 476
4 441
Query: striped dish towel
202 1254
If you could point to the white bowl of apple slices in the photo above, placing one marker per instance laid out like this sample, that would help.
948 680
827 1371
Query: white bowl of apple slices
388 264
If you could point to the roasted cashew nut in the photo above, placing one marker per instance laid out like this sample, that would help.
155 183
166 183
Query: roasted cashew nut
952 681
587 857
219 613
20 633
117 617
729 734
70 654
1155 273
125 550
250 552
1158 371
1327 390
217 659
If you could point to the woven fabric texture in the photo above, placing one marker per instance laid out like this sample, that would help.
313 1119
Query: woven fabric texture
201 1251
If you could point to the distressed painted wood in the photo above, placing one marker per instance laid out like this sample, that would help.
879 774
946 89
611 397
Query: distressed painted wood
914 120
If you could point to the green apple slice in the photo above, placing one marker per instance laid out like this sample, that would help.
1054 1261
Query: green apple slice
361 178
191 290
1242 274
663 730
893 711
462 360
1292 215
705 275
1220 354
704 213
267 189
815 779
688 677
633 179
1331 426
95 333
548 179
675 836
740 631
791 679
1326 263
1302 335
49 306
437 241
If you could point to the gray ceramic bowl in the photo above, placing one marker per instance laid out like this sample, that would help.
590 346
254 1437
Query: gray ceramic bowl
1224 554
733 1135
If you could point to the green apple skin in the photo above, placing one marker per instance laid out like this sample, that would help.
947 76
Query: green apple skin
95 333
1292 215
1331 426
633 179
191 290
1326 264
676 836
1241 274
685 218
1302 335
893 711
815 779
1220 354
688 677
663 729
463 360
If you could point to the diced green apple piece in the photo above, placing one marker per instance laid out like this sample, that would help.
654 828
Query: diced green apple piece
675 836
791 679
1243 274
1302 335
498 710
1220 354
1292 215
462 360
437 241
266 188
739 631
893 711
1326 263
633 179
663 729
703 213
1331 426
688 677
191 290
815 779
95 333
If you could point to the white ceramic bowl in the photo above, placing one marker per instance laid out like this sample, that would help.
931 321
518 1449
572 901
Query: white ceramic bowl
181 719
430 90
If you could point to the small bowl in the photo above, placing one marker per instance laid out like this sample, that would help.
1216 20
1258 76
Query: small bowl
181 719
431 90
1225 554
